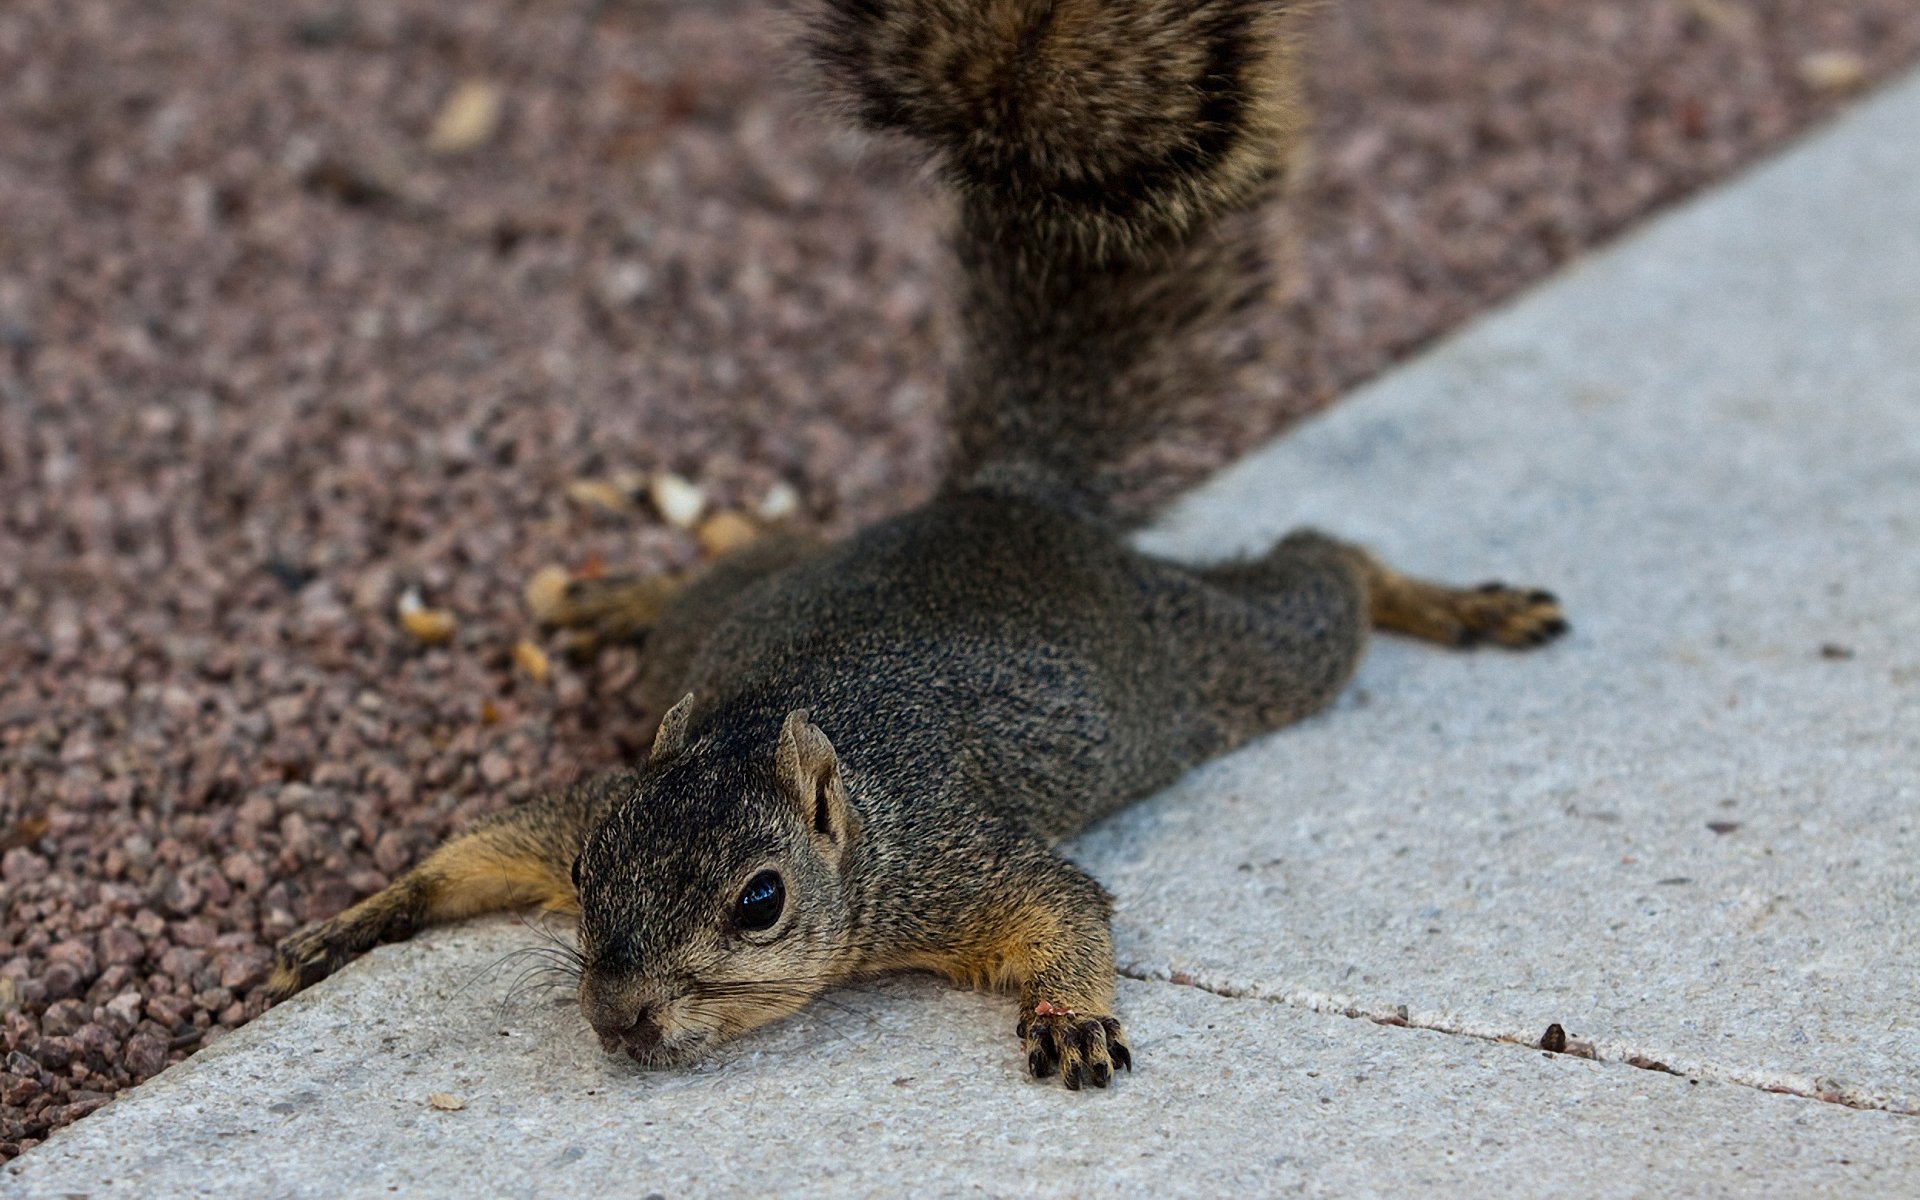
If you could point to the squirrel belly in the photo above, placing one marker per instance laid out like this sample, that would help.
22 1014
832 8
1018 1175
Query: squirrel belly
870 750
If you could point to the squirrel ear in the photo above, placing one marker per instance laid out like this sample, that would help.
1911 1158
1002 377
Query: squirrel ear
809 772
671 738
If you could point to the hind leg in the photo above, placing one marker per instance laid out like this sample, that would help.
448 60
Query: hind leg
605 610
1518 618
1270 640
1280 635
681 628
611 609
672 613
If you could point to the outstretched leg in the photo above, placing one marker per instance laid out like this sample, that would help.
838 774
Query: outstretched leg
1517 618
1270 639
519 858
602 611
1276 637
682 627
1037 923
610 609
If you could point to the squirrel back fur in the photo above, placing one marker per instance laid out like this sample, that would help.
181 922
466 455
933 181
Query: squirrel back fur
1109 162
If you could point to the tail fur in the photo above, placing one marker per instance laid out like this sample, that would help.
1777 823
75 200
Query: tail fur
1109 159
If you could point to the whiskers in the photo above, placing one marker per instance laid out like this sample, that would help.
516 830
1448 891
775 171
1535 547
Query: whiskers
733 1006
552 964
542 970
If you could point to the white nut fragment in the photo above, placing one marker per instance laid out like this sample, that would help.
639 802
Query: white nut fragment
677 499
780 502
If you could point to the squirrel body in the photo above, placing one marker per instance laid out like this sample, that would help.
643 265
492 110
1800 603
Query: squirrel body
870 749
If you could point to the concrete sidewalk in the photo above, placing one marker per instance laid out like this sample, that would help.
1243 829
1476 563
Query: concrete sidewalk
1690 834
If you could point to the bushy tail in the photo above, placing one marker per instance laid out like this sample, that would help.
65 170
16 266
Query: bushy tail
1109 158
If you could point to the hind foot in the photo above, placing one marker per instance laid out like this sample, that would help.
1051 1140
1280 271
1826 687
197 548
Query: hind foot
603 611
1517 618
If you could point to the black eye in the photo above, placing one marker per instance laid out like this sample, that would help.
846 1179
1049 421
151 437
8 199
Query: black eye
761 901
576 873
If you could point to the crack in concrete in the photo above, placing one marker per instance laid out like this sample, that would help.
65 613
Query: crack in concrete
1824 1089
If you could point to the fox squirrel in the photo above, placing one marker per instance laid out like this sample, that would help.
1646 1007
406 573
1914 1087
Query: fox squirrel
870 749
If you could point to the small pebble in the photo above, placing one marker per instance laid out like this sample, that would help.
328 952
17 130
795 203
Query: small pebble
676 499
532 660
599 494
781 502
1833 71
468 119
724 532
428 626
545 593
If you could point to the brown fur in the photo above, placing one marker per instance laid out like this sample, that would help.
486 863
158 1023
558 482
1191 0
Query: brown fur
516 859
1110 163
898 729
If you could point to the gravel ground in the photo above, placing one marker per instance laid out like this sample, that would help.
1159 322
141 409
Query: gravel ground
283 335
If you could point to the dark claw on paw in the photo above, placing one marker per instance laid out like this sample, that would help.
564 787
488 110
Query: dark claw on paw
1084 1050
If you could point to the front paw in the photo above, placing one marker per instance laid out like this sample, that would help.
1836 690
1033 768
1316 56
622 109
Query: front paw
312 954
1084 1048
300 961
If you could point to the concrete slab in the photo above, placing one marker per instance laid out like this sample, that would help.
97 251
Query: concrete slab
1692 832
1688 834
913 1086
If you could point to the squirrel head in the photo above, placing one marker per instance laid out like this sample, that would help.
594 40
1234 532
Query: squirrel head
713 898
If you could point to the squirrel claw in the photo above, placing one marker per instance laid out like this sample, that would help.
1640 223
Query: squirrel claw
298 963
1501 615
1084 1050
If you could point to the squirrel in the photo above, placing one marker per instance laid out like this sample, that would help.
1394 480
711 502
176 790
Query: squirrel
871 749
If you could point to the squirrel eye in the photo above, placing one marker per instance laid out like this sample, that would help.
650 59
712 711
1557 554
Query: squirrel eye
761 901
576 872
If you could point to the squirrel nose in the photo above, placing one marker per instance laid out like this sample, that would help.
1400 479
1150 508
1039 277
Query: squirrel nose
622 1024
643 1035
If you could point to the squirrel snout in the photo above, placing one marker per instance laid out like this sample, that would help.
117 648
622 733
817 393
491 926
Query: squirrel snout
641 1035
636 1034
625 1023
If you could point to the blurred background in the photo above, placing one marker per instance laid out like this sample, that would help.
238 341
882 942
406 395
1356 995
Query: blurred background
319 316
